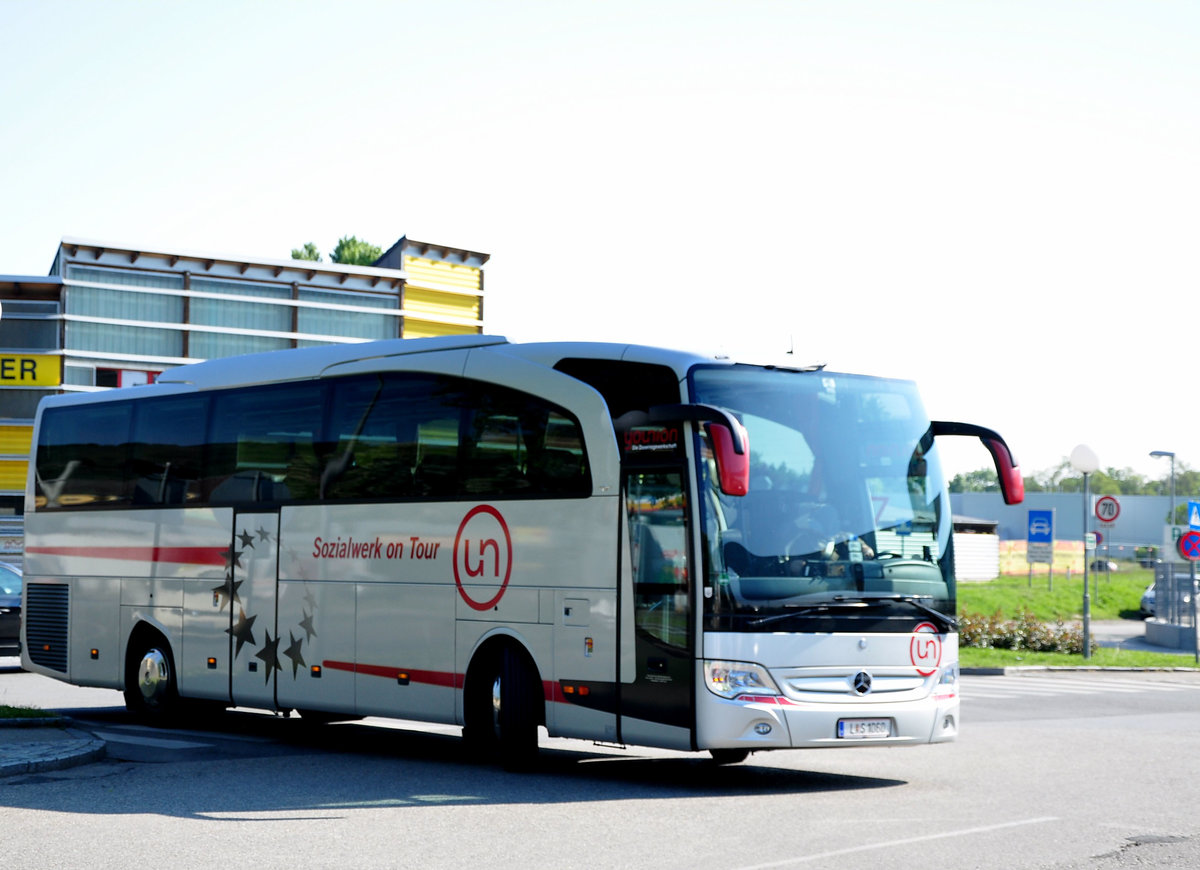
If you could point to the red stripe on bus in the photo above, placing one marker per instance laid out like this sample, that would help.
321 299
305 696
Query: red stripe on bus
185 555
432 678
550 690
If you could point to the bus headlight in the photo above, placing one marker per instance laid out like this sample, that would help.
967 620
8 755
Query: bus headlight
730 679
949 678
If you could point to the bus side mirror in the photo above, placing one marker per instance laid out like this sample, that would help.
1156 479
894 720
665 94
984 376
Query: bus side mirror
1012 485
733 468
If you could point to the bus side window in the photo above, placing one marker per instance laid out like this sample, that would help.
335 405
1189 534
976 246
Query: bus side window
82 456
260 437
168 449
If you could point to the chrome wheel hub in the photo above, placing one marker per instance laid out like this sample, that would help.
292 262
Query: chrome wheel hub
154 676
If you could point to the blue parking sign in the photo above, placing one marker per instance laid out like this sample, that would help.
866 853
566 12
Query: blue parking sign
1041 527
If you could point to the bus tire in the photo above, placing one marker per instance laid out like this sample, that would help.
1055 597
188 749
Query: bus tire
502 710
151 688
517 702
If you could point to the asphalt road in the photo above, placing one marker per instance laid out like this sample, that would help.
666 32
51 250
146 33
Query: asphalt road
1058 770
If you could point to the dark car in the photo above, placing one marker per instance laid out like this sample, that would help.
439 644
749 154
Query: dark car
10 609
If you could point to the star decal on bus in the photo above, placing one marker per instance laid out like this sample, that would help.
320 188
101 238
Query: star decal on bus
307 624
232 557
242 628
227 592
293 653
243 631
269 655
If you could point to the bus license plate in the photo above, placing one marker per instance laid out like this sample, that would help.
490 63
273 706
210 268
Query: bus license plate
864 728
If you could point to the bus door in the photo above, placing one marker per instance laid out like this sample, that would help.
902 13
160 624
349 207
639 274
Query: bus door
657 705
255 650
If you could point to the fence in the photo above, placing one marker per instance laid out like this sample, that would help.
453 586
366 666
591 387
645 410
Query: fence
1174 622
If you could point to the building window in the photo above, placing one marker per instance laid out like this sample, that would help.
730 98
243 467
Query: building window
18 334
210 345
124 377
126 277
240 315
21 404
348 324
124 340
120 305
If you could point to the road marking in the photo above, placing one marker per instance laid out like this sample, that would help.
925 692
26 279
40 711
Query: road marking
999 687
906 841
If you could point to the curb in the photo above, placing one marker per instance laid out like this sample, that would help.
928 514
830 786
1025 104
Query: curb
66 747
1021 669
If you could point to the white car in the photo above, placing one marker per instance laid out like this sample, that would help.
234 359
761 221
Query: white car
1148 596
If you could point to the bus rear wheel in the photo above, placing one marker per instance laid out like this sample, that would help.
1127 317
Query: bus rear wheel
151 689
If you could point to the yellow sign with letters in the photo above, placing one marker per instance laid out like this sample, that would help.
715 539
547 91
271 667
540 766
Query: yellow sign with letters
30 370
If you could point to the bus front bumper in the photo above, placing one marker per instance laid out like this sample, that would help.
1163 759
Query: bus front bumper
777 722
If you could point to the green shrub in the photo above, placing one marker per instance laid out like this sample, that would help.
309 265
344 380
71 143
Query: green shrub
1022 632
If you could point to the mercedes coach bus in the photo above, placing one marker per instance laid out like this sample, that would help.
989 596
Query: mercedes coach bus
623 544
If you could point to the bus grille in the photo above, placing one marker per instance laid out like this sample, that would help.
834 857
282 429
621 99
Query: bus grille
46 618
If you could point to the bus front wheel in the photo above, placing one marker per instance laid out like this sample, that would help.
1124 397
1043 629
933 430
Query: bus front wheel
151 690
504 711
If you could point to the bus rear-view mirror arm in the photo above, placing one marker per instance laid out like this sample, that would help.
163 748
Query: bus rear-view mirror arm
1012 485
730 441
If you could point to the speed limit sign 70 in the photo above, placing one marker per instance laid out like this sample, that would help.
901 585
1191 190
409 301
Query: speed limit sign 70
1107 509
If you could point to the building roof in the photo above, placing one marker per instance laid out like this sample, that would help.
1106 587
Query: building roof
208 262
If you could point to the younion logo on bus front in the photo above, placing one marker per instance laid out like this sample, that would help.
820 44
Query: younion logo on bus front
482 554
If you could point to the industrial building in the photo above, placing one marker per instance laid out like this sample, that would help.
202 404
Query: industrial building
110 315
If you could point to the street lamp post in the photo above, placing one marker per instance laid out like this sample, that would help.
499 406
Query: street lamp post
1085 461
1158 454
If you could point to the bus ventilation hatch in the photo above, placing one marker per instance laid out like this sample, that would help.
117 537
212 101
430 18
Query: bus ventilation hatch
46 624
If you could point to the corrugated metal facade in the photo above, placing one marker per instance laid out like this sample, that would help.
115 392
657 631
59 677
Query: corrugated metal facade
441 298
976 557
15 439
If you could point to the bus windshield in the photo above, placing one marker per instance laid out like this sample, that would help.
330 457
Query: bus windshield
845 517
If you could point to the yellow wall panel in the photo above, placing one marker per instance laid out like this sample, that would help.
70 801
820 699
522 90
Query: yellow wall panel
456 275
12 474
428 329
16 439
437 303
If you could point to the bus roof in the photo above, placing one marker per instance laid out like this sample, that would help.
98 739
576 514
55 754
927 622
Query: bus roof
312 362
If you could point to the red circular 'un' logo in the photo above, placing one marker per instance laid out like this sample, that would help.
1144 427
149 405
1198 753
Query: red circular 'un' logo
482 554
925 649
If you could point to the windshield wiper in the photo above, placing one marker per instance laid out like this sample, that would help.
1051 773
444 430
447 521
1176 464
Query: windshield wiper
945 622
798 610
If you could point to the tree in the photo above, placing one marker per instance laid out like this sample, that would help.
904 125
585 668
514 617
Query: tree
308 252
1110 481
351 252
981 480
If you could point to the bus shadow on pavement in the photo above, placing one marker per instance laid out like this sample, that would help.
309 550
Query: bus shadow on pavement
288 766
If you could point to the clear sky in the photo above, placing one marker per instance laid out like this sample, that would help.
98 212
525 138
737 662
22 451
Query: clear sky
997 199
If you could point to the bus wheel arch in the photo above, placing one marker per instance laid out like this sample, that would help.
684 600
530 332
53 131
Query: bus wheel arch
503 703
151 681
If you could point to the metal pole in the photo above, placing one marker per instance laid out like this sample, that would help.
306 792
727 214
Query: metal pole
1087 602
1172 489
1195 630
